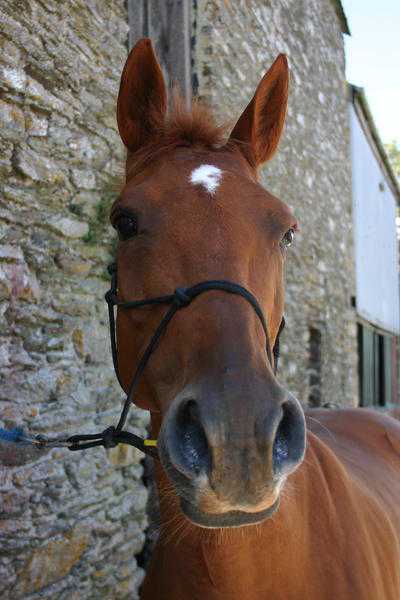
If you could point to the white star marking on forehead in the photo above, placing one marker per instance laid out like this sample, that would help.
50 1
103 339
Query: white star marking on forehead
208 176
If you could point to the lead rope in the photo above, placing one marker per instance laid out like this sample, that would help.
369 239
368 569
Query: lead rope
182 297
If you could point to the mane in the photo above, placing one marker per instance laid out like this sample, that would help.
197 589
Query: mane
183 127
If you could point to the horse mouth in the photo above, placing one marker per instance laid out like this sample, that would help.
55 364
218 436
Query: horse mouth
233 518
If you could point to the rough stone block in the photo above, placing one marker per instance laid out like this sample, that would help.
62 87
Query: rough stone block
36 167
84 179
52 561
13 78
17 281
35 125
38 96
71 228
6 152
73 265
10 253
12 121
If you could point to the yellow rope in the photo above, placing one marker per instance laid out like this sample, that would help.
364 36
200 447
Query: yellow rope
150 443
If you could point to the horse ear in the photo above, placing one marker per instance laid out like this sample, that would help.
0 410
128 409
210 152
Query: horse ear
142 98
258 131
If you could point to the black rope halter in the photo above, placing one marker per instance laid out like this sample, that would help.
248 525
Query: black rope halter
182 297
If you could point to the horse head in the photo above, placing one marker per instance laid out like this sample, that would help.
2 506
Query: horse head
192 210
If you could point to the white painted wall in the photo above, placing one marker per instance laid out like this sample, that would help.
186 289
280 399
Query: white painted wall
376 252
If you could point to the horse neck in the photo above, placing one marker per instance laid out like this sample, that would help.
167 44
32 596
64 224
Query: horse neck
189 561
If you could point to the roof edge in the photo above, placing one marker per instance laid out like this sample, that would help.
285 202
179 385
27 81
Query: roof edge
338 6
358 97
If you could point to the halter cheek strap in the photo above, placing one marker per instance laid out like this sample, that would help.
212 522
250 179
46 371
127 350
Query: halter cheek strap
182 297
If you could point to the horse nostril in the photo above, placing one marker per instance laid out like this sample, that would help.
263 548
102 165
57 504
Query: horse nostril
289 443
192 443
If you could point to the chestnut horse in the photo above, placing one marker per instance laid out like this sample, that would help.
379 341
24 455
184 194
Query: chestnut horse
246 512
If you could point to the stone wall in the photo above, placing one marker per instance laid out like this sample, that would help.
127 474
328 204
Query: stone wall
70 523
234 43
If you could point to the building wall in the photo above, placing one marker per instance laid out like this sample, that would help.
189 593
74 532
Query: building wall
234 43
374 218
70 523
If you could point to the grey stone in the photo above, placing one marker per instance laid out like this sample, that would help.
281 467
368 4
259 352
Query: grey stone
11 253
68 226
6 151
13 78
38 168
84 179
12 121
36 126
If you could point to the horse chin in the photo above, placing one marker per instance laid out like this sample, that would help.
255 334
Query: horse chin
233 518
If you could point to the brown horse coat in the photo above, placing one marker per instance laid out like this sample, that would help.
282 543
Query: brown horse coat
336 535
231 439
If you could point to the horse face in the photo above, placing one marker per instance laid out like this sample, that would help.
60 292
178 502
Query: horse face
191 212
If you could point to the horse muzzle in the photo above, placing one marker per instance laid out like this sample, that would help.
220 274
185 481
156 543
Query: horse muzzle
228 456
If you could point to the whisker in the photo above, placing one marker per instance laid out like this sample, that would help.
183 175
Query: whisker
322 426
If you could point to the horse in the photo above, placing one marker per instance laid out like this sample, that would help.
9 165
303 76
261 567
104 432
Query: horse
258 500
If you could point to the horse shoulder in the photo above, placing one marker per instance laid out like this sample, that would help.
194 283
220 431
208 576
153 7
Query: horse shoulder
358 475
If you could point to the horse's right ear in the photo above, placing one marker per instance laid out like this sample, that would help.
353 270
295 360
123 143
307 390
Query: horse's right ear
142 98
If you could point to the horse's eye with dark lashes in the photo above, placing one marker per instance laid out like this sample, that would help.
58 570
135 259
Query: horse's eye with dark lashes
126 227
288 238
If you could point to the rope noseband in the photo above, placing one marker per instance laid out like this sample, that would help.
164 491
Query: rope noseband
181 298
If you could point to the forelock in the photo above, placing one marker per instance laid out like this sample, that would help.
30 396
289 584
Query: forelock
183 127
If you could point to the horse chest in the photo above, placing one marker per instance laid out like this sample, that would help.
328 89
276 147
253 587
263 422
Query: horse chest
251 571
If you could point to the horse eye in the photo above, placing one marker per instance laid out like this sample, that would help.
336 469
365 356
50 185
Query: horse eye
126 227
288 238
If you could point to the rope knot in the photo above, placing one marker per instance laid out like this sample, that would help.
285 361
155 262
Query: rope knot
110 297
112 268
181 298
108 437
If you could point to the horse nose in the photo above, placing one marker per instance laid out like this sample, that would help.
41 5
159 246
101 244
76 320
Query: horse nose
278 439
186 440
289 438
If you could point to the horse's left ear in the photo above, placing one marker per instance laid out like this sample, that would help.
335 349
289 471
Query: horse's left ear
258 131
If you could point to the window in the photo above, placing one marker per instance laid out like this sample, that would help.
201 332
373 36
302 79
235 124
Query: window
374 367
314 367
